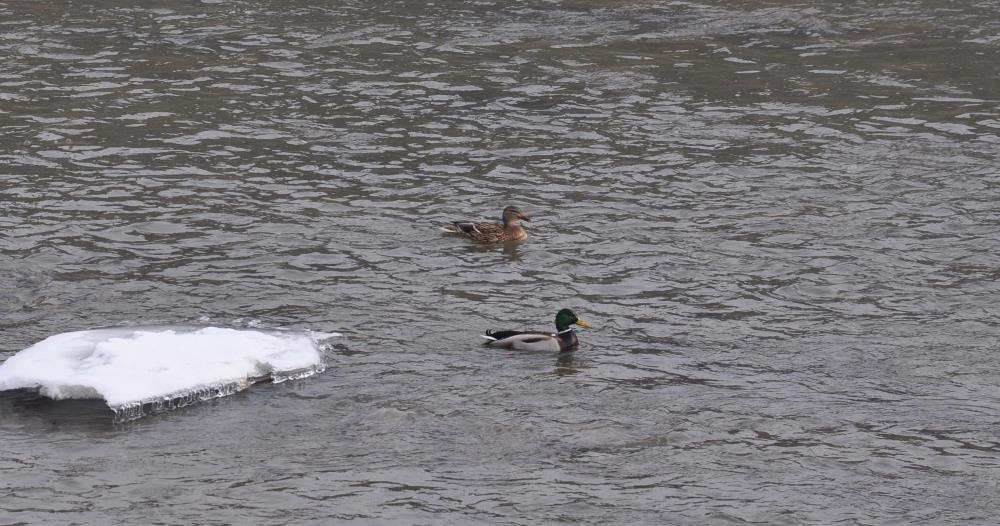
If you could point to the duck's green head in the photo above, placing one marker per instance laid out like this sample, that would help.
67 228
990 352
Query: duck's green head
512 213
566 317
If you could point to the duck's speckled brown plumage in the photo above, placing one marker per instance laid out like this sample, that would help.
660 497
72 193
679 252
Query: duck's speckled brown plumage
509 230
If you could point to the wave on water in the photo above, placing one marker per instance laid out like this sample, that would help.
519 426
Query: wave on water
139 371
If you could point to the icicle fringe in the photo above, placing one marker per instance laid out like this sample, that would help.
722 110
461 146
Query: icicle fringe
135 410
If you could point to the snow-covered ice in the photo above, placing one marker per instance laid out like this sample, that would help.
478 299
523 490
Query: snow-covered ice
166 367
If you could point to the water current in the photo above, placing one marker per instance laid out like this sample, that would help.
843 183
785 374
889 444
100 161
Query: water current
781 219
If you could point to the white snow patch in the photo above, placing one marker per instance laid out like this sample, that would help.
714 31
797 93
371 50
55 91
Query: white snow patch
169 366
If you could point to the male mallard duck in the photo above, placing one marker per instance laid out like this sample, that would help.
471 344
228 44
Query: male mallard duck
562 341
510 230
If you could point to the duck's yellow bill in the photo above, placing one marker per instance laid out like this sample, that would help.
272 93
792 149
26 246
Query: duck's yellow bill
584 324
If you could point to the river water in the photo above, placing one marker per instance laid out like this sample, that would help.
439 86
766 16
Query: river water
781 219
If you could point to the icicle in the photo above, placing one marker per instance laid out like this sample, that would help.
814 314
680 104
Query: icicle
297 374
135 410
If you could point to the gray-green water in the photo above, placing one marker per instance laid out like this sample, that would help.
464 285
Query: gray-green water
781 218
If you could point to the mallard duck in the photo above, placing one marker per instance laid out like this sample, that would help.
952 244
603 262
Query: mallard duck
564 340
510 230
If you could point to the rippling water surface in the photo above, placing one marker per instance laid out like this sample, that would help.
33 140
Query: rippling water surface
781 218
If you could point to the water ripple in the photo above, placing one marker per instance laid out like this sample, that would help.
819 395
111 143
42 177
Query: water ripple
780 219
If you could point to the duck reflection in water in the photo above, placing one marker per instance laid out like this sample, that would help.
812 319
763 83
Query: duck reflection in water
566 364
512 251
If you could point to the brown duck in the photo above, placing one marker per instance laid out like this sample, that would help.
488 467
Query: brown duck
509 230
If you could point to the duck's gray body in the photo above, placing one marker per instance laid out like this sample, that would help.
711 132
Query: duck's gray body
565 341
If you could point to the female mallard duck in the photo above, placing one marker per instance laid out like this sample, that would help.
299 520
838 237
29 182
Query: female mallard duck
510 230
564 340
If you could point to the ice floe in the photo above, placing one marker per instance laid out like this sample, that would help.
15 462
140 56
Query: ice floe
139 370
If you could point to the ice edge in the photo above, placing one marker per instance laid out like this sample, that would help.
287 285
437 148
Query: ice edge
135 410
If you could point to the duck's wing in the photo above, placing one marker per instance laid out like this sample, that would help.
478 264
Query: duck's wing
472 229
528 341
493 335
460 227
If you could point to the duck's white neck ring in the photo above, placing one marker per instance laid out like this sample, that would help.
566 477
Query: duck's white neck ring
565 331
